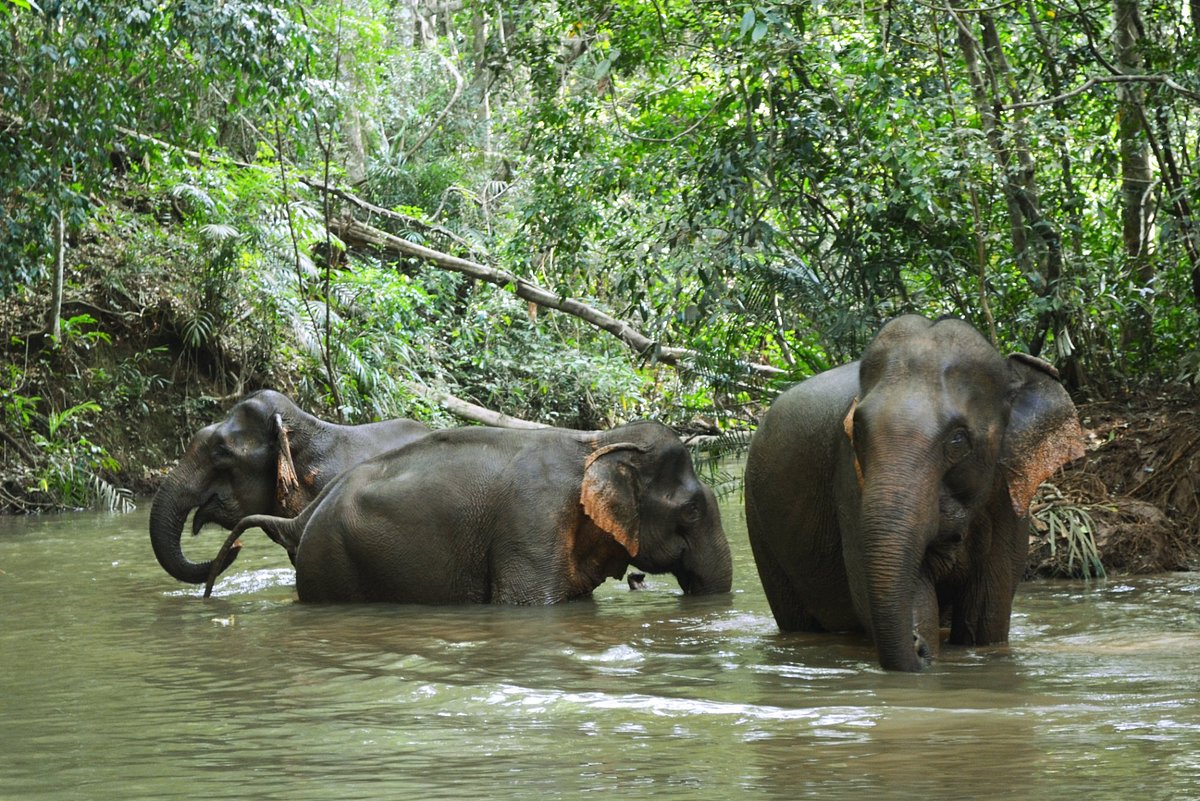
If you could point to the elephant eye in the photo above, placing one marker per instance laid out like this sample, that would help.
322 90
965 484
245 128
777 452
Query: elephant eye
958 445
690 513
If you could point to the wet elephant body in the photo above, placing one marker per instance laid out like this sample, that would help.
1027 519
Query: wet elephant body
268 456
891 495
478 515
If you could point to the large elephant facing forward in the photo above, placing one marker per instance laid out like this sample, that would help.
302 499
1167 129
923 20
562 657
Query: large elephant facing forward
267 456
477 515
892 493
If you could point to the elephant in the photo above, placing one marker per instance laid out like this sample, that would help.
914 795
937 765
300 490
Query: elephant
532 517
266 456
890 495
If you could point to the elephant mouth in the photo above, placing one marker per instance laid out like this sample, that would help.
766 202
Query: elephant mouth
211 510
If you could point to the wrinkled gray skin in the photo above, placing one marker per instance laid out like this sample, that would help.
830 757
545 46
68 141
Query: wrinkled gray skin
476 515
907 507
232 469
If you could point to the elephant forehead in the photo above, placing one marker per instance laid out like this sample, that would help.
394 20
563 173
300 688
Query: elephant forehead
925 367
933 398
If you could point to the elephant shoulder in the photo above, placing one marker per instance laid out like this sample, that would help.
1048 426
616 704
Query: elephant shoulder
816 400
800 432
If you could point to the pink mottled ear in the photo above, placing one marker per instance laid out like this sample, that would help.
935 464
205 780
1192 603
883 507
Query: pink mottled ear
610 493
1043 431
287 485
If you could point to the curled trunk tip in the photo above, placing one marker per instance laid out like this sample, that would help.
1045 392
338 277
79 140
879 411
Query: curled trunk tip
167 517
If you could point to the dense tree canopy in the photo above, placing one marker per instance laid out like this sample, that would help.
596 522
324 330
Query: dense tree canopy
719 195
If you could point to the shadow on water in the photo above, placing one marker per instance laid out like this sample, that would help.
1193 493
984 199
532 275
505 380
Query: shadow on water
116 682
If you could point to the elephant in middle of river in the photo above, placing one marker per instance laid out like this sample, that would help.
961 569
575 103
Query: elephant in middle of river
268 456
892 493
477 515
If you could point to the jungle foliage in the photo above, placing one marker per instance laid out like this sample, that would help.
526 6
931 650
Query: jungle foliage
750 184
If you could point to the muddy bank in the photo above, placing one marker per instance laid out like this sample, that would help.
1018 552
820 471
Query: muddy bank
1137 483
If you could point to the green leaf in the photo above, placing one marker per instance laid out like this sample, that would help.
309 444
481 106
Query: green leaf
747 21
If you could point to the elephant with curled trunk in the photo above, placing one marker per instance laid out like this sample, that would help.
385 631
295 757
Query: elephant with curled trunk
891 494
475 515
266 456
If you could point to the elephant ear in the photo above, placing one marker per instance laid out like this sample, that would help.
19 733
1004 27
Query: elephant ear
848 427
287 484
610 493
1043 431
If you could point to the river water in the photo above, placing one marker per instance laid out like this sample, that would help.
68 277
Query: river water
118 683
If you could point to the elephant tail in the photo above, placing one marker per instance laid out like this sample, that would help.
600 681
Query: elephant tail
283 530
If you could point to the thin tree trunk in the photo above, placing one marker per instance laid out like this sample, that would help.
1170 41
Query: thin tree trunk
991 79
985 107
985 304
1074 201
1190 231
54 322
1136 176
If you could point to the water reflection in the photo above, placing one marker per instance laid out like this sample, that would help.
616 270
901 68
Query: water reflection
115 682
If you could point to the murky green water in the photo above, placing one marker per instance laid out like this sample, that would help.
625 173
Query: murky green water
118 683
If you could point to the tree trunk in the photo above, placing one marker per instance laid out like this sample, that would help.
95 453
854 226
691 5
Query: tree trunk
990 122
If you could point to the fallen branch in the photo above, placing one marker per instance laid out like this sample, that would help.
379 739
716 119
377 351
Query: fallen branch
25 455
738 438
354 232
468 410
1098 79
380 211
488 417
359 234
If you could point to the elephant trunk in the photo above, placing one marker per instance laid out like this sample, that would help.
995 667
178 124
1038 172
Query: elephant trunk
175 499
898 522
707 567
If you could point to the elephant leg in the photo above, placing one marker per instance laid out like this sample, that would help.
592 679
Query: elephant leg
983 608
782 595
982 614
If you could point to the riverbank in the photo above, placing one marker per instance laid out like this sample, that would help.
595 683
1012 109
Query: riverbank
101 414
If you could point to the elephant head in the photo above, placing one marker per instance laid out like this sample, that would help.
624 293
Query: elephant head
946 441
267 456
642 490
